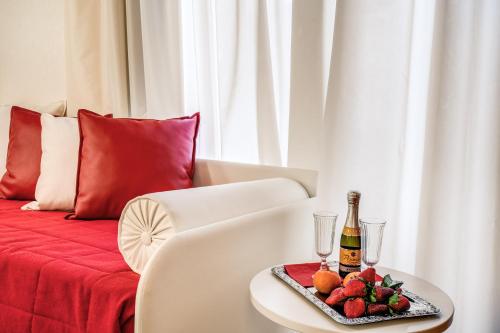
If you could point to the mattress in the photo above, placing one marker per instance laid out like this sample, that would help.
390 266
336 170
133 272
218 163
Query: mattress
60 275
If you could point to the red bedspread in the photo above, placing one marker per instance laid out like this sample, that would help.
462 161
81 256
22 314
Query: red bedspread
62 276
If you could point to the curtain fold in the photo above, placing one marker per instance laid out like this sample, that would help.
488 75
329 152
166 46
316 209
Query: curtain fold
135 63
363 125
307 81
458 226
96 56
162 57
266 108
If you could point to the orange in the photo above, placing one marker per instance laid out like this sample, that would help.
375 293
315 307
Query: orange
325 281
349 277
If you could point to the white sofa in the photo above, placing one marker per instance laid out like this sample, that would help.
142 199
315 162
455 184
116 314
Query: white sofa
197 281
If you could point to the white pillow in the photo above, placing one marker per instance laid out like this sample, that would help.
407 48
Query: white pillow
56 108
56 186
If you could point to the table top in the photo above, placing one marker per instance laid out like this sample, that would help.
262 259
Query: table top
284 306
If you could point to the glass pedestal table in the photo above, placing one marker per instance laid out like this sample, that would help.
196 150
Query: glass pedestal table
286 307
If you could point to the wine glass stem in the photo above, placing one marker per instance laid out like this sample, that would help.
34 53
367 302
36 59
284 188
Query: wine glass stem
324 265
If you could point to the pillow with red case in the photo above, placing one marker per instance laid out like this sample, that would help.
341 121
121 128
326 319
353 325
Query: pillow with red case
23 155
121 159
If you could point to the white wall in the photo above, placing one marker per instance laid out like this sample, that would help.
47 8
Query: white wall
31 51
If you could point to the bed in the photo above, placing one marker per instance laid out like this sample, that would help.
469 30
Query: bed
60 275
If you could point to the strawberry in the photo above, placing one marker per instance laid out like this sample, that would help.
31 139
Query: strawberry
336 297
382 293
376 309
355 288
399 303
340 305
368 275
354 308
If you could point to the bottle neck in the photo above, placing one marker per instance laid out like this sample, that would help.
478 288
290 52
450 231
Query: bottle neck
352 216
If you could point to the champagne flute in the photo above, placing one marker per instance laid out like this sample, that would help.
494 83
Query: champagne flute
372 232
324 230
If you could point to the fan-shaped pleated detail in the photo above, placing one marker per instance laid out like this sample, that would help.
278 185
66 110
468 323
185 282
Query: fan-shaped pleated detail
144 226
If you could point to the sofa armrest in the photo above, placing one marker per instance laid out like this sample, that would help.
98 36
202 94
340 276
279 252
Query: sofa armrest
152 219
198 281
211 172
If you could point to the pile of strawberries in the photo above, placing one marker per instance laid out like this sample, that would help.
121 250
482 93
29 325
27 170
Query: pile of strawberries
362 295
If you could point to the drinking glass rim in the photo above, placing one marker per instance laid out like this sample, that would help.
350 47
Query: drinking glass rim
373 221
325 213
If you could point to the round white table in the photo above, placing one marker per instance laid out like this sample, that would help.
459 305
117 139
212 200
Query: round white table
284 306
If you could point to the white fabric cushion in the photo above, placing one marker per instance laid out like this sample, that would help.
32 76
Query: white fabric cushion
56 186
150 220
56 108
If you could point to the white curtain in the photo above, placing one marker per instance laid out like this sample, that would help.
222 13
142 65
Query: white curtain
404 106
412 120
225 59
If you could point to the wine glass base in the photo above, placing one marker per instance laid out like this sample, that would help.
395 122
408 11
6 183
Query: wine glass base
333 265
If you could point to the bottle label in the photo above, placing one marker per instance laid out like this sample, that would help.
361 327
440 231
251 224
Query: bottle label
347 269
350 257
351 231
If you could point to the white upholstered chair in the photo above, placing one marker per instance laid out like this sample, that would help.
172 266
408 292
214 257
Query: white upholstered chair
233 224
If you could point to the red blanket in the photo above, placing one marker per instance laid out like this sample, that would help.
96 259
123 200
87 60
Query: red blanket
62 276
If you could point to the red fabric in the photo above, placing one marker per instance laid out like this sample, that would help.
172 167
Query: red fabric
121 159
62 276
23 155
302 273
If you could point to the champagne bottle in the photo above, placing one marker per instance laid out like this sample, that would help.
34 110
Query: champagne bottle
350 241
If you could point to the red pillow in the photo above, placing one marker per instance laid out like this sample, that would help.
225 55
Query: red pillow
121 159
23 155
